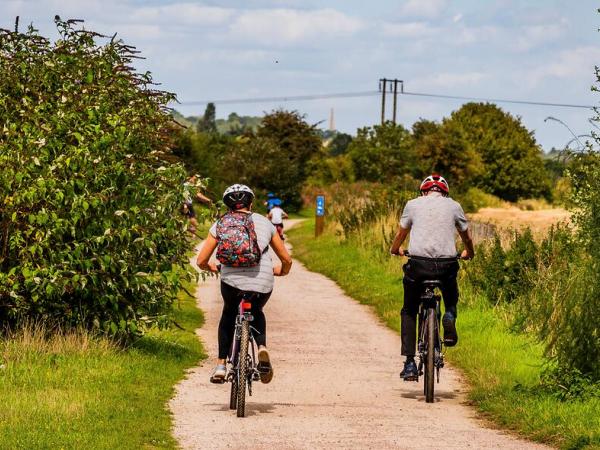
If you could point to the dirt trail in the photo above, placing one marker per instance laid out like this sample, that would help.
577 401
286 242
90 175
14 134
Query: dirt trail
336 383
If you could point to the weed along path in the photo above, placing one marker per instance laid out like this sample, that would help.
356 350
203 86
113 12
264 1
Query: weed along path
336 383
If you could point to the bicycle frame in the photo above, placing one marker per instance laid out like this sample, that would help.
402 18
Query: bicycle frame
430 300
233 358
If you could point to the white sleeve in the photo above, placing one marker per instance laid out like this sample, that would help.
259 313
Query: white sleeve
459 219
406 218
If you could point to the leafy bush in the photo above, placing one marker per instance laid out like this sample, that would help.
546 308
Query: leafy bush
89 232
502 275
474 199
553 289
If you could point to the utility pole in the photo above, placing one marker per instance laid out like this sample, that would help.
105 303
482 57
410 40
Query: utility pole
383 88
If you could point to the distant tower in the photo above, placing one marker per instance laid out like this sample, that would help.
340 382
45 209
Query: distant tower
331 121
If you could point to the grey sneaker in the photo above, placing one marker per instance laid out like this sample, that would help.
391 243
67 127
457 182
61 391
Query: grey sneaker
218 375
410 371
264 365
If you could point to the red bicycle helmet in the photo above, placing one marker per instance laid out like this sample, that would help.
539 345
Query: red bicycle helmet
435 182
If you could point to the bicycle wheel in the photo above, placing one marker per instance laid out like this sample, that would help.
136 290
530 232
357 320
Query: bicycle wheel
243 369
430 362
234 393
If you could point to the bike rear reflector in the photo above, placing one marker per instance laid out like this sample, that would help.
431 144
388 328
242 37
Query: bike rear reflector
247 305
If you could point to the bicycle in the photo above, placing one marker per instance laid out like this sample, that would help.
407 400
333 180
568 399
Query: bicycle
242 362
430 344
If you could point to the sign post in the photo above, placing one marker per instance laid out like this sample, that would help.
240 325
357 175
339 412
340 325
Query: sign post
320 215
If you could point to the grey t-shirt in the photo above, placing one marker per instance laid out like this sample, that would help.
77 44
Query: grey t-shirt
258 278
433 220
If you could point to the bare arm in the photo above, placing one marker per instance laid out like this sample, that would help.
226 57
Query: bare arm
469 251
285 216
203 198
398 240
282 254
208 247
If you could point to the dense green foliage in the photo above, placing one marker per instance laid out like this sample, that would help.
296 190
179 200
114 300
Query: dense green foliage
383 153
274 158
442 149
88 233
339 144
208 122
512 161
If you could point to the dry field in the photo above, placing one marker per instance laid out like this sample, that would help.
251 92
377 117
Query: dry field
488 220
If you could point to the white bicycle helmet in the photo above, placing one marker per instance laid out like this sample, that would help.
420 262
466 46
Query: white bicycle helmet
238 196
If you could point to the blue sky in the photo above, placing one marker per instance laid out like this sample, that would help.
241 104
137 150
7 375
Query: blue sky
542 50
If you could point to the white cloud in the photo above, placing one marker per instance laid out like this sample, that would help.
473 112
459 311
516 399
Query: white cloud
183 14
408 29
447 80
572 64
535 35
423 8
284 26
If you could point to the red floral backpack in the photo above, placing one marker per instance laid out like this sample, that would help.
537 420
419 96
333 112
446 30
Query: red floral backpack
238 244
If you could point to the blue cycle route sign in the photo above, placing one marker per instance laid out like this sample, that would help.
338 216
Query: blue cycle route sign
320 205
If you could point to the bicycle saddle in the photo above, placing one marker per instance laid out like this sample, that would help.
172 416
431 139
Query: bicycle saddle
431 284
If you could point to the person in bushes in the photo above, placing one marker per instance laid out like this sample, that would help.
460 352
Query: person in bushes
432 221
191 193
232 235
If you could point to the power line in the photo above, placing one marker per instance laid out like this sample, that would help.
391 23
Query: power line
293 98
499 100
290 98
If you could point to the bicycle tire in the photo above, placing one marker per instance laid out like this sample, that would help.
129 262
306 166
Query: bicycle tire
243 369
234 394
430 361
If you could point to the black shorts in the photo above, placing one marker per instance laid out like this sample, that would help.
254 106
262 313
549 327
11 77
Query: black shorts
190 210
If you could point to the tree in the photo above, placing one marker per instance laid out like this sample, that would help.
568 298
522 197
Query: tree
339 144
208 122
499 155
89 233
296 142
383 153
439 151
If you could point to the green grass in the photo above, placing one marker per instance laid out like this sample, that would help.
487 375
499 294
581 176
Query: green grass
502 367
73 391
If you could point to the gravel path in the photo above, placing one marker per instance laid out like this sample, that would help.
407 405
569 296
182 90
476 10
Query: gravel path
336 383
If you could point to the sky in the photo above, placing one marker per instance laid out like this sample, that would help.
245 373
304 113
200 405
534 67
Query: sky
541 50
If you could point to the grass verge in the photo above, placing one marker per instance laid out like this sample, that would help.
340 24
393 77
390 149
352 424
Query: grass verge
73 391
502 367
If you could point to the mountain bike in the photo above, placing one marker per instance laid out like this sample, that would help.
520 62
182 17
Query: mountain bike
242 361
430 343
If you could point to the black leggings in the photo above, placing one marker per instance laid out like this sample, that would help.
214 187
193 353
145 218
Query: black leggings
231 301
416 271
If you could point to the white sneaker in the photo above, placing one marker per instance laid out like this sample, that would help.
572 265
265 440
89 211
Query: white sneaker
264 365
218 375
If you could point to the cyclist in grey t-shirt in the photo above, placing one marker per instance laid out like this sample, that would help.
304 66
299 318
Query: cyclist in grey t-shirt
432 221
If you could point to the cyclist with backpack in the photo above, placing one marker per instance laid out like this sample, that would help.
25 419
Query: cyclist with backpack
242 240
432 221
